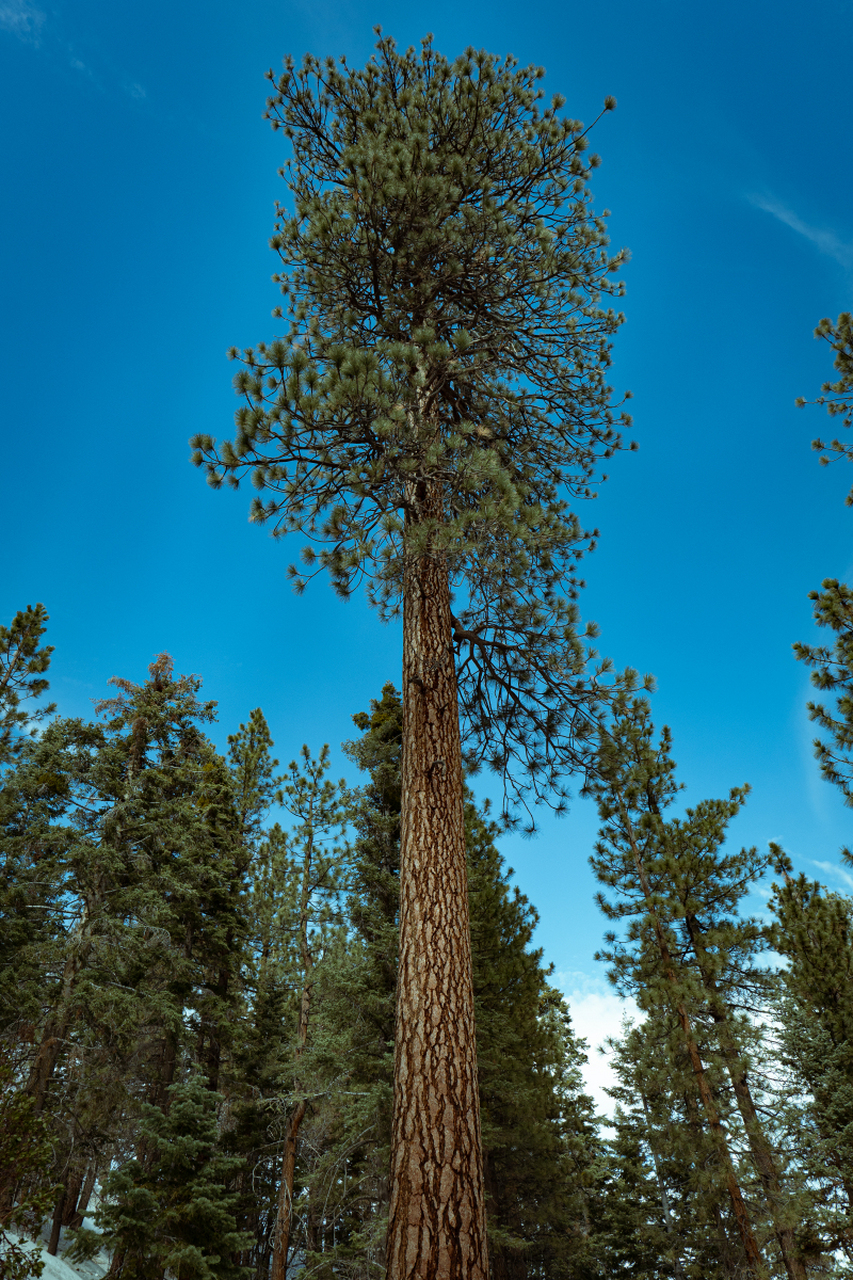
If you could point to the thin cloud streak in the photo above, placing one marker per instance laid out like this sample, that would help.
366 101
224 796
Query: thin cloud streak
832 869
24 20
21 18
826 242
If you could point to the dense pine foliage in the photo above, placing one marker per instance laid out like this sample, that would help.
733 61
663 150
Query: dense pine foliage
198 1014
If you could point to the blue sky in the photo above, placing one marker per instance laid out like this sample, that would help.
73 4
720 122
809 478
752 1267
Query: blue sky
138 202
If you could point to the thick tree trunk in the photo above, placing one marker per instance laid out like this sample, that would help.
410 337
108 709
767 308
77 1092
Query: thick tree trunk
437 1224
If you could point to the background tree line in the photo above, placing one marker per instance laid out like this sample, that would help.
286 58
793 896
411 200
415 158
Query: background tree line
198 983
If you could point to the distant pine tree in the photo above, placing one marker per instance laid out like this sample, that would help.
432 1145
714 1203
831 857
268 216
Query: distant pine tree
687 948
124 860
832 671
814 932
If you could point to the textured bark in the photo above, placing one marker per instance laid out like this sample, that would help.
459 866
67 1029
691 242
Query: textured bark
437 1225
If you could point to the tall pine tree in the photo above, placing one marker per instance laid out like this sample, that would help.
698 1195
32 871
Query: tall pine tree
688 946
438 395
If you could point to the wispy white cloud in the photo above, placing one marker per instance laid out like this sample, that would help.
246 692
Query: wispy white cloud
824 240
833 870
597 1013
25 20
22 19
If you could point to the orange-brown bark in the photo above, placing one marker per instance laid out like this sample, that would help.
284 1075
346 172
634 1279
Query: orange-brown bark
437 1225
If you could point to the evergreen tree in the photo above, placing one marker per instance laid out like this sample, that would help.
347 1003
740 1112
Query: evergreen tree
814 932
263 1036
174 825
312 864
173 1213
439 390
659 1217
832 670
833 608
123 836
254 779
667 1210
539 1186
23 663
837 396
686 945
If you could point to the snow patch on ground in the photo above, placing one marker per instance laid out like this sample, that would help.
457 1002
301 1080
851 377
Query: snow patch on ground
59 1268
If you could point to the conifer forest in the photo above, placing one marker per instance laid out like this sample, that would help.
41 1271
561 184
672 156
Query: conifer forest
261 1023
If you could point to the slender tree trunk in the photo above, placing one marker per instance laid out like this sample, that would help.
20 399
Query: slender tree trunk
56 1224
284 1221
669 1220
437 1224
754 1262
84 1197
762 1152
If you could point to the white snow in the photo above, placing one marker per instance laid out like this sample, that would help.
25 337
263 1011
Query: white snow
58 1268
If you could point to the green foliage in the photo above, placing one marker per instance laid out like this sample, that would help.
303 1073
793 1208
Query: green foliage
663 1212
693 963
22 666
175 1213
540 1189
253 772
676 872
26 1157
837 396
814 932
83 1245
440 386
832 670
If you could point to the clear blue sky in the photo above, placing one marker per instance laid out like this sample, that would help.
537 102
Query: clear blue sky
139 182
